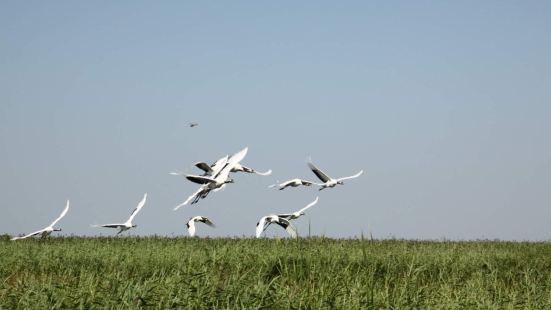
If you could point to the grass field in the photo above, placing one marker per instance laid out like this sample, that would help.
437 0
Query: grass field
307 273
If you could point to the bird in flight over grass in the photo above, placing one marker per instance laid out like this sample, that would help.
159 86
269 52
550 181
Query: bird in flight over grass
265 221
128 224
49 229
216 181
327 180
299 213
292 183
191 224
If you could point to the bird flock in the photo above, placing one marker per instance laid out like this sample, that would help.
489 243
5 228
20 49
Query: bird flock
215 177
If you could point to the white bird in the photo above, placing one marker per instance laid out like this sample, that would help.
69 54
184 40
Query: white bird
299 213
216 181
49 229
191 224
128 224
265 221
327 180
293 183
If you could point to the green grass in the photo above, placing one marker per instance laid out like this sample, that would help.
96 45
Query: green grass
315 273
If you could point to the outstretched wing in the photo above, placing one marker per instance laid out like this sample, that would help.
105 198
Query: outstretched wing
138 208
351 177
291 230
320 174
206 220
219 164
109 225
205 167
194 195
29 235
200 179
309 205
62 214
232 162
261 226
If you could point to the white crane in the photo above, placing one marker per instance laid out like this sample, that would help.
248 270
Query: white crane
214 182
128 224
49 229
299 213
293 183
191 224
327 180
265 221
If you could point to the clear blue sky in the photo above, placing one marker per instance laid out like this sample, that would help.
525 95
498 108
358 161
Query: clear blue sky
445 104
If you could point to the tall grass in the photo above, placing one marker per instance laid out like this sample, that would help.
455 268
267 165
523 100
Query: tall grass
310 273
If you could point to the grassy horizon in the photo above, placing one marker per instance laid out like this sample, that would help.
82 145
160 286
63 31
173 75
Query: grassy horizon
221 273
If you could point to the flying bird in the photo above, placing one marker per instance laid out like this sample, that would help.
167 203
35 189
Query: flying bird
191 224
191 125
293 183
128 224
217 180
299 213
327 180
265 221
49 229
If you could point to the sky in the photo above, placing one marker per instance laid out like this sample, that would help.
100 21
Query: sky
445 105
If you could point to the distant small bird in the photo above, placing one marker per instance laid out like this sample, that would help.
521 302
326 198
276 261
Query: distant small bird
293 183
193 125
299 213
265 221
128 224
191 224
49 229
327 180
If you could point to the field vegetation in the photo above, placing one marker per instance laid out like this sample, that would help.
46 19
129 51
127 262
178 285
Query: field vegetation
241 273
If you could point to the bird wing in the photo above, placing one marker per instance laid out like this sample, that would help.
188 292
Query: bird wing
261 226
204 166
62 214
138 208
352 177
219 164
192 196
200 179
287 226
109 225
309 205
232 162
206 220
285 215
29 235
286 183
320 174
